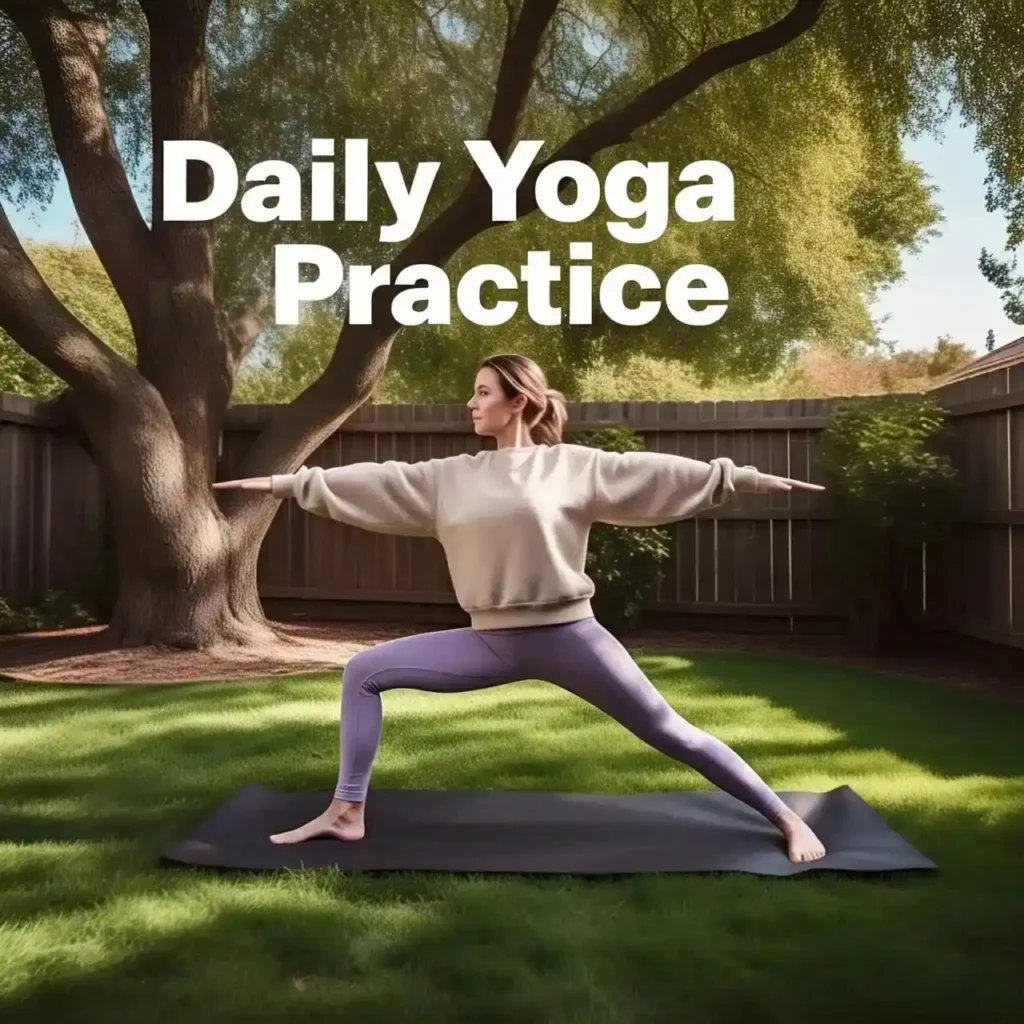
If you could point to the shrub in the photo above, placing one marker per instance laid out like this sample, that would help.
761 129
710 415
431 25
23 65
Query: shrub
623 562
88 602
56 610
893 491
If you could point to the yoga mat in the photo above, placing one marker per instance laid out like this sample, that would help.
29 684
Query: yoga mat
517 832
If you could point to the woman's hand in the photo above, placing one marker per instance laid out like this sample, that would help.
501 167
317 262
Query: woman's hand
768 484
252 483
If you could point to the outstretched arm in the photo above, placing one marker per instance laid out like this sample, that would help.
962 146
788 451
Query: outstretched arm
385 497
653 488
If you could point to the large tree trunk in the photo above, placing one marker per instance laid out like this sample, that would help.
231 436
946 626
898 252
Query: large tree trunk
195 599
187 581
186 572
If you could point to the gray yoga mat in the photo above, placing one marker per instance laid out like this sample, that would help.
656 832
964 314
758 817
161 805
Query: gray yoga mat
525 832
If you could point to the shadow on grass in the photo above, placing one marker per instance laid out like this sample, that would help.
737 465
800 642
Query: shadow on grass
153 761
947 733
312 946
39 703
97 782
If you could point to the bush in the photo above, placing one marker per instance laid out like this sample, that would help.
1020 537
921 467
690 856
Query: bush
89 601
57 610
623 562
893 490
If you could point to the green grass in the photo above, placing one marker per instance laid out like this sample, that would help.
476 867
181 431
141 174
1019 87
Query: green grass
96 781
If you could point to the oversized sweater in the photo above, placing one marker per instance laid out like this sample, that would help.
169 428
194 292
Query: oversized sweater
514 522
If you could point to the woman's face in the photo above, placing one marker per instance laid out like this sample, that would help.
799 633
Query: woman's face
491 410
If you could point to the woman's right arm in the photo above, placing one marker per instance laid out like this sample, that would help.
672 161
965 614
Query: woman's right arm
384 497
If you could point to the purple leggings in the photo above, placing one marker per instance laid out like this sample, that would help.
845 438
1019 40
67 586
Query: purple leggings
581 657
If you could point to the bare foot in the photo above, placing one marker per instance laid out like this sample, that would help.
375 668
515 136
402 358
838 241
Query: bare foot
342 820
803 844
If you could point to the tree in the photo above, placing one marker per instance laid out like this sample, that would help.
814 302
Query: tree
990 340
822 218
949 355
78 280
187 564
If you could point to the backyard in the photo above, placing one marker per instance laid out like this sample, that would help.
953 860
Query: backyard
98 780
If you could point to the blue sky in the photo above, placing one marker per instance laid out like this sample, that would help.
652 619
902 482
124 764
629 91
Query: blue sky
943 291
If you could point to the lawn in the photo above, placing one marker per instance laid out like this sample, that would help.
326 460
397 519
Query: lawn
97 780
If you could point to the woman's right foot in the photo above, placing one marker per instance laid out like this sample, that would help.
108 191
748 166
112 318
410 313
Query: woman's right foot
342 820
803 844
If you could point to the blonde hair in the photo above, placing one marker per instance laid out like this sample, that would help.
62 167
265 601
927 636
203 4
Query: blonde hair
545 413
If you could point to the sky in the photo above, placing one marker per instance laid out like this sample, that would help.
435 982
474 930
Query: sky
942 292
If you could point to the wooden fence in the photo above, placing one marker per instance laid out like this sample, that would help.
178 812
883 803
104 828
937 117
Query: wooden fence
761 562
760 557
974 584
51 504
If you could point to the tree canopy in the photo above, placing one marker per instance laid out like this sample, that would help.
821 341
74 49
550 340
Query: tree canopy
825 201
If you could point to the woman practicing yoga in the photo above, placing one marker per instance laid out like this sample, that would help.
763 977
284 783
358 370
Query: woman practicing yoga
514 524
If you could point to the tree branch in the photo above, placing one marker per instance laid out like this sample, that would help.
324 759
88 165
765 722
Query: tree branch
515 74
67 48
468 213
590 70
451 60
641 12
192 360
179 92
466 217
243 327
41 324
515 77
619 126
355 366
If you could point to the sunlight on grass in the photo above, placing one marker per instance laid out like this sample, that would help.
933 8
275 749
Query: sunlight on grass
97 781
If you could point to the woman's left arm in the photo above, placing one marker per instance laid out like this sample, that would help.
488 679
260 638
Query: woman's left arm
653 488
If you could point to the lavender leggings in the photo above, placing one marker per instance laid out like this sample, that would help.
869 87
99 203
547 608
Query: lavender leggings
581 657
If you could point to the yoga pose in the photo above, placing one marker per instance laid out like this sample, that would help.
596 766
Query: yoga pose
514 524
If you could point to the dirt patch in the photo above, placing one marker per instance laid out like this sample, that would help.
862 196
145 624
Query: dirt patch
84 656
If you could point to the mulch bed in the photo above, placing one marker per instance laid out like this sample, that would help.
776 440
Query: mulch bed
83 656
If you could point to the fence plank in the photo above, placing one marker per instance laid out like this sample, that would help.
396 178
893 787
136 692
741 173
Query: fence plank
1015 468
387 546
726 567
1016 544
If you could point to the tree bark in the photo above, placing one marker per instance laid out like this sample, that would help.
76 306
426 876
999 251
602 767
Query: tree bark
186 574
190 584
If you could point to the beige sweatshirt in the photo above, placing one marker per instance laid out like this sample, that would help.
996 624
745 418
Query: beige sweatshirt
514 522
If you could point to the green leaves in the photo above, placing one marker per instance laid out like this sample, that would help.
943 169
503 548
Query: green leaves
894 489
825 202
882 457
78 279
624 563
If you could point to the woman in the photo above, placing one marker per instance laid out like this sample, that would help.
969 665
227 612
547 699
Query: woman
514 524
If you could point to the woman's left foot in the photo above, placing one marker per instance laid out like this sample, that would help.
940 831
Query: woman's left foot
342 820
803 844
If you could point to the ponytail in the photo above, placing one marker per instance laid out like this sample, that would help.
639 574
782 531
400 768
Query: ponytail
547 427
